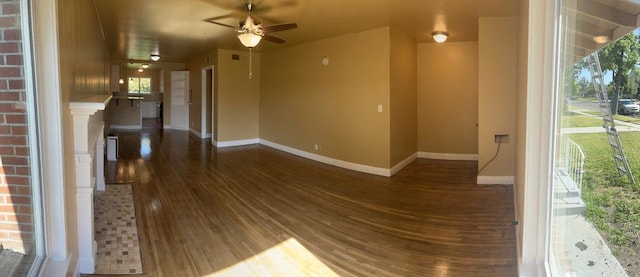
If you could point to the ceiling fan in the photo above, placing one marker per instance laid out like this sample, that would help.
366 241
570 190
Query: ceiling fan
250 30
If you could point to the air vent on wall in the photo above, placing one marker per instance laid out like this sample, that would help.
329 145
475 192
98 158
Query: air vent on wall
235 57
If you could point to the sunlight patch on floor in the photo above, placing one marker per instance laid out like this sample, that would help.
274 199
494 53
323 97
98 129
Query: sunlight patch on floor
289 258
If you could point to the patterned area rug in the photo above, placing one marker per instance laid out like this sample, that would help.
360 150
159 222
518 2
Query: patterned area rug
116 231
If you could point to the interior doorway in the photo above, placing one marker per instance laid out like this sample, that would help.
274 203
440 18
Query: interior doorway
207 128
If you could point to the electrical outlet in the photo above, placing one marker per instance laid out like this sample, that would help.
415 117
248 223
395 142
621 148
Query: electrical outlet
501 138
315 147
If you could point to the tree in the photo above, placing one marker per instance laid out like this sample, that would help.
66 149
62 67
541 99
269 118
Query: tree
633 82
586 87
571 86
621 58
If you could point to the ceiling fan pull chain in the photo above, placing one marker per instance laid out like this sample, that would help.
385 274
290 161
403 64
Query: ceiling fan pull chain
250 69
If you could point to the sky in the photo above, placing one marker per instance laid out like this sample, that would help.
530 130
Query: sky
608 75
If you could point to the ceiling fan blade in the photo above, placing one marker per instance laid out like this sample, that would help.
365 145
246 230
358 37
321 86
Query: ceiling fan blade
279 27
273 39
214 20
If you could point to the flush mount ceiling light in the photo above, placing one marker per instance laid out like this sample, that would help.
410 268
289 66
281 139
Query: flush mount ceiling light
440 37
601 39
249 40
145 65
140 69
154 57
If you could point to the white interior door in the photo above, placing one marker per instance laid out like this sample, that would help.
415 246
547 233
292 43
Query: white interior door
180 100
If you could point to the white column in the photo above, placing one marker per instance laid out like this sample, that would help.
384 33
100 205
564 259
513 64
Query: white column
84 191
88 145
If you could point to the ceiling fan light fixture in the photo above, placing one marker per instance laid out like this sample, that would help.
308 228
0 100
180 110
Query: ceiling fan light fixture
249 40
440 37
154 57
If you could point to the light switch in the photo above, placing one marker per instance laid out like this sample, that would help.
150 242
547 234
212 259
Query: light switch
379 108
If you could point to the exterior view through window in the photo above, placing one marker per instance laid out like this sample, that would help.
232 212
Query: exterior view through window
595 207
21 226
139 85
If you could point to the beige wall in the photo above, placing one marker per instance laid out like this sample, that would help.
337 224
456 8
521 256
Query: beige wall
403 96
84 71
497 87
195 85
448 97
237 97
304 103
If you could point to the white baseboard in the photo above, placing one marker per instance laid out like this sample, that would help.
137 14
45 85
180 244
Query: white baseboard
496 180
331 161
231 143
195 133
198 134
448 156
402 164
125 127
166 126
179 129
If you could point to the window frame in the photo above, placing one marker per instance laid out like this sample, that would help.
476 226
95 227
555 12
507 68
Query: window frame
541 82
46 79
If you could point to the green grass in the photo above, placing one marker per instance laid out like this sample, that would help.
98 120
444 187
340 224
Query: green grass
580 121
612 202
630 119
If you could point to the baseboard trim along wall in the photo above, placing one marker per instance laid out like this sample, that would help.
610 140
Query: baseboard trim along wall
125 127
231 143
198 134
448 156
195 133
331 161
402 164
496 180
365 168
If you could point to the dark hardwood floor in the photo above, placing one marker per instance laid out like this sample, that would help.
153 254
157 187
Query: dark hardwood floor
256 211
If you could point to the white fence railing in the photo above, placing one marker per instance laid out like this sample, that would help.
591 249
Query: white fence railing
572 160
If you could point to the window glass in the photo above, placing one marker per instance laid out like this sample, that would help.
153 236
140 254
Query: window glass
139 85
594 203
20 216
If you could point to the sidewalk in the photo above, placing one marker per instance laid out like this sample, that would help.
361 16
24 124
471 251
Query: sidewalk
581 251
621 126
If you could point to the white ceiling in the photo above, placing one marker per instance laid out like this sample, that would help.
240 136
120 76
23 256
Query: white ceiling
176 29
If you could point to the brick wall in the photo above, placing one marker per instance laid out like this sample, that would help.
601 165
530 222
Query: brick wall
16 220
